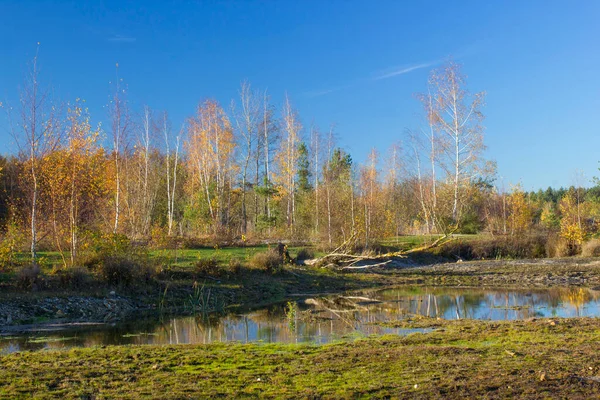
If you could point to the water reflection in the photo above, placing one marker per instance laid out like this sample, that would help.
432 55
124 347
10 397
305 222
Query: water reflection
493 304
324 319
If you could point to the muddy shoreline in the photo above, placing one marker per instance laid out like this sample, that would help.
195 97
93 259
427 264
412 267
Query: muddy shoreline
42 309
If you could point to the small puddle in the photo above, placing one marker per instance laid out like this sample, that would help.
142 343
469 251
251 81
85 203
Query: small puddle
321 319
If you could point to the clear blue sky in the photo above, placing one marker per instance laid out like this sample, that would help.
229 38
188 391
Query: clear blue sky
538 61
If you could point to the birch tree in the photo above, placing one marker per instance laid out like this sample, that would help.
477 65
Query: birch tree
171 172
119 114
316 148
85 161
434 147
268 139
457 114
394 207
416 144
288 160
369 186
37 136
247 122
145 141
211 147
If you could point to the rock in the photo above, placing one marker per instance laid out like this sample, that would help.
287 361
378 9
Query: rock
60 314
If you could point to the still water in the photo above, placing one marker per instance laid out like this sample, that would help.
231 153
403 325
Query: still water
322 319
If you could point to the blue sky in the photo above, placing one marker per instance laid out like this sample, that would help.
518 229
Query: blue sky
356 64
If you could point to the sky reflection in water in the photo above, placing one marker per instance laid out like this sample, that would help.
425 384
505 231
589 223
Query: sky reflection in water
325 319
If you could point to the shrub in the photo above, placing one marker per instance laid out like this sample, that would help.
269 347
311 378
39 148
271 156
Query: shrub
30 277
208 266
159 238
9 246
551 246
125 271
269 261
147 272
74 277
567 248
7 256
305 254
591 248
234 266
495 248
117 261
560 247
100 243
470 224
117 270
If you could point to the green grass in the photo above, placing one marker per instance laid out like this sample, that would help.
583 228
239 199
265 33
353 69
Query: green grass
409 242
460 359
188 257
176 258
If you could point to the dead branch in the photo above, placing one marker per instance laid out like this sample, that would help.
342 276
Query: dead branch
436 243
367 266
346 260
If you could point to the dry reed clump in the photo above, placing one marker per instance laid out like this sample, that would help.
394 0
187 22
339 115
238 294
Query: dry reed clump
591 248
269 261
557 246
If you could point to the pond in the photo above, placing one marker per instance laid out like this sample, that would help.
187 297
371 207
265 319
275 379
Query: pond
319 319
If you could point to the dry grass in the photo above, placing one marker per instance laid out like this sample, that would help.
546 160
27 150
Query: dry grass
269 261
591 248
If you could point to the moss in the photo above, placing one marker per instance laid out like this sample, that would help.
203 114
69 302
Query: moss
460 359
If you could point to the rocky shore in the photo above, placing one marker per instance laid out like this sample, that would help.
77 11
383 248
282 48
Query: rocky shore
27 310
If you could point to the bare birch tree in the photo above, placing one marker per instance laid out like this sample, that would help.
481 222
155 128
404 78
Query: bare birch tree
147 204
416 151
119 114
315 144
457 114
247 122
170 172
38 135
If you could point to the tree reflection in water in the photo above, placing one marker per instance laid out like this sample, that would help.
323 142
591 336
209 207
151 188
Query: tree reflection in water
324 319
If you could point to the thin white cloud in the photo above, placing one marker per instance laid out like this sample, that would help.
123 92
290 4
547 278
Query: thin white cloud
122 39
402 70
382 74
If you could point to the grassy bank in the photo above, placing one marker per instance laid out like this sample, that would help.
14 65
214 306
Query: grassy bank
531 359
172 291
175 257
178 274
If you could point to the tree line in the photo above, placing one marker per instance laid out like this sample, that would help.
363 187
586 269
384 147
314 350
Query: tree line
253 170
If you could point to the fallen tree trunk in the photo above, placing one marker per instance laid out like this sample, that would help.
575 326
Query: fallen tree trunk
367 266
347 260
437 242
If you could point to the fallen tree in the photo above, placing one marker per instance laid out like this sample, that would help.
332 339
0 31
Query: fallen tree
344 258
